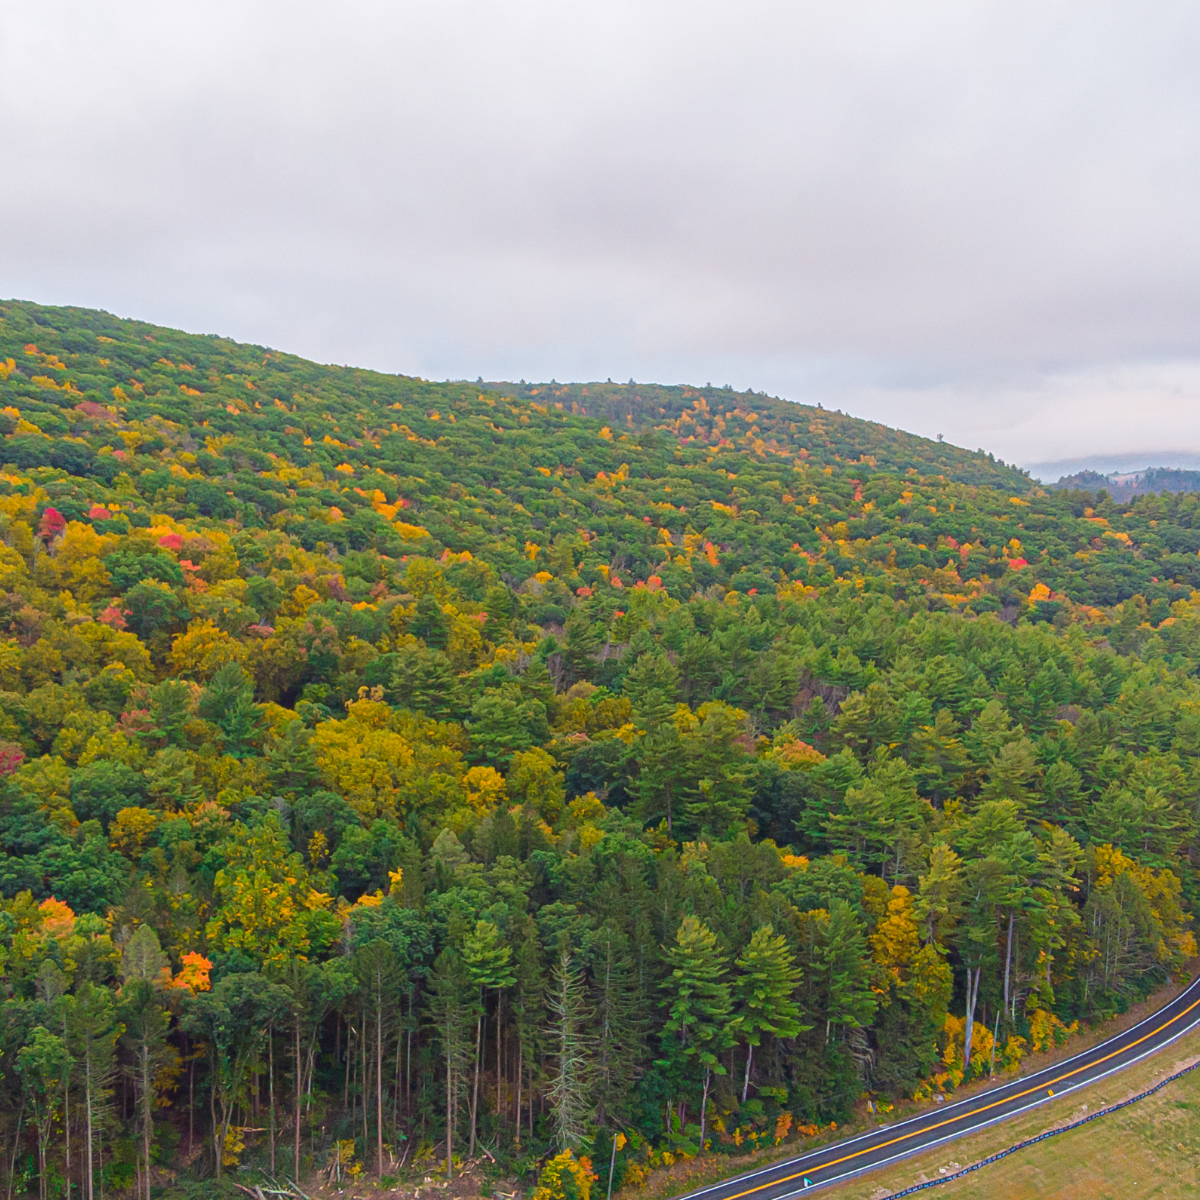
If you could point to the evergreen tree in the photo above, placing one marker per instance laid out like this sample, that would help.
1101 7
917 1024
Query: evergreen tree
42 1063
429 623
938 902
620 1031
840 969
660 776
719 773
698 1004
570 1045
292 762
146 1024
1062 795
170 710
228 702
764 991
91 1041
651 685
451 1006
582 645
380 979
528 1014
234 1019
487 961
938 757
987 885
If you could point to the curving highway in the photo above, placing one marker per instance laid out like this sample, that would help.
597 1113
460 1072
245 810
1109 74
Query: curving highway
842 1160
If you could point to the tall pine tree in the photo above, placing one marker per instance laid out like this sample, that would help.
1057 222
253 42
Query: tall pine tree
697 1029
451 996
764 991
570 1044
620 1031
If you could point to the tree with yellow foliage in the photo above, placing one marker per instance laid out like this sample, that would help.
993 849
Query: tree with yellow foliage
197 653
264 908
76 563
565 1177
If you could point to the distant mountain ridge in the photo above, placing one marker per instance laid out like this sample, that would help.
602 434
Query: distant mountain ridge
1125 485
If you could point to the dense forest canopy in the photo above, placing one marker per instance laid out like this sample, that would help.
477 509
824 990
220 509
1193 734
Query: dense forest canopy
396 771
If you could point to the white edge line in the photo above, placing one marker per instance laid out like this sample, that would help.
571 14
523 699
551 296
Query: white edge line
950 1137
1027 1079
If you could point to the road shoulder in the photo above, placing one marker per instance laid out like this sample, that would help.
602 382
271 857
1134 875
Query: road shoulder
1153 1142
691 1174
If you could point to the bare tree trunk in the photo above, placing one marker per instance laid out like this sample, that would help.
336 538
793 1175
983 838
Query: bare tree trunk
89 1182
520 1080
478 1053
191 1094
749 1060
1008 956
449 1116
296 1101
271 1094
212 1110
408 1063
147 1111
972 997
311 1059
379 1086
67 1114
365 1086
397 1092
12 1165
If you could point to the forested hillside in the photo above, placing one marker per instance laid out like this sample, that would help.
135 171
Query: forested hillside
1124 487
399 773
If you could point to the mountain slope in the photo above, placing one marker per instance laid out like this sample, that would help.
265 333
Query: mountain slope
688 766
126 413
723 417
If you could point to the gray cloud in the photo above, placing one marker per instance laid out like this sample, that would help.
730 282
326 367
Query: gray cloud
976 220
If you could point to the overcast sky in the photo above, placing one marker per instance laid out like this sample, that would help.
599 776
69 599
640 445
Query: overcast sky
971 219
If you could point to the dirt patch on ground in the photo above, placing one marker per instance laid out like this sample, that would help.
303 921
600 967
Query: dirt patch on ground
469 1185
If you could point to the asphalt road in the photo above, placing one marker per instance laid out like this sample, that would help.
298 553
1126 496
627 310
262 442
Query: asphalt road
841 1160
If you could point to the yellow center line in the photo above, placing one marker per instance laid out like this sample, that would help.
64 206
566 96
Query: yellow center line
961 1116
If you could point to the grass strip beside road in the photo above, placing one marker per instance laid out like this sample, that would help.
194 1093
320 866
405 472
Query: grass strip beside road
691 1174
1041 1137
1150 1148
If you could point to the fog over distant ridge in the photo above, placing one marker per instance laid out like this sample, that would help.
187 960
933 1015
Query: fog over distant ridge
971 220
1107 464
